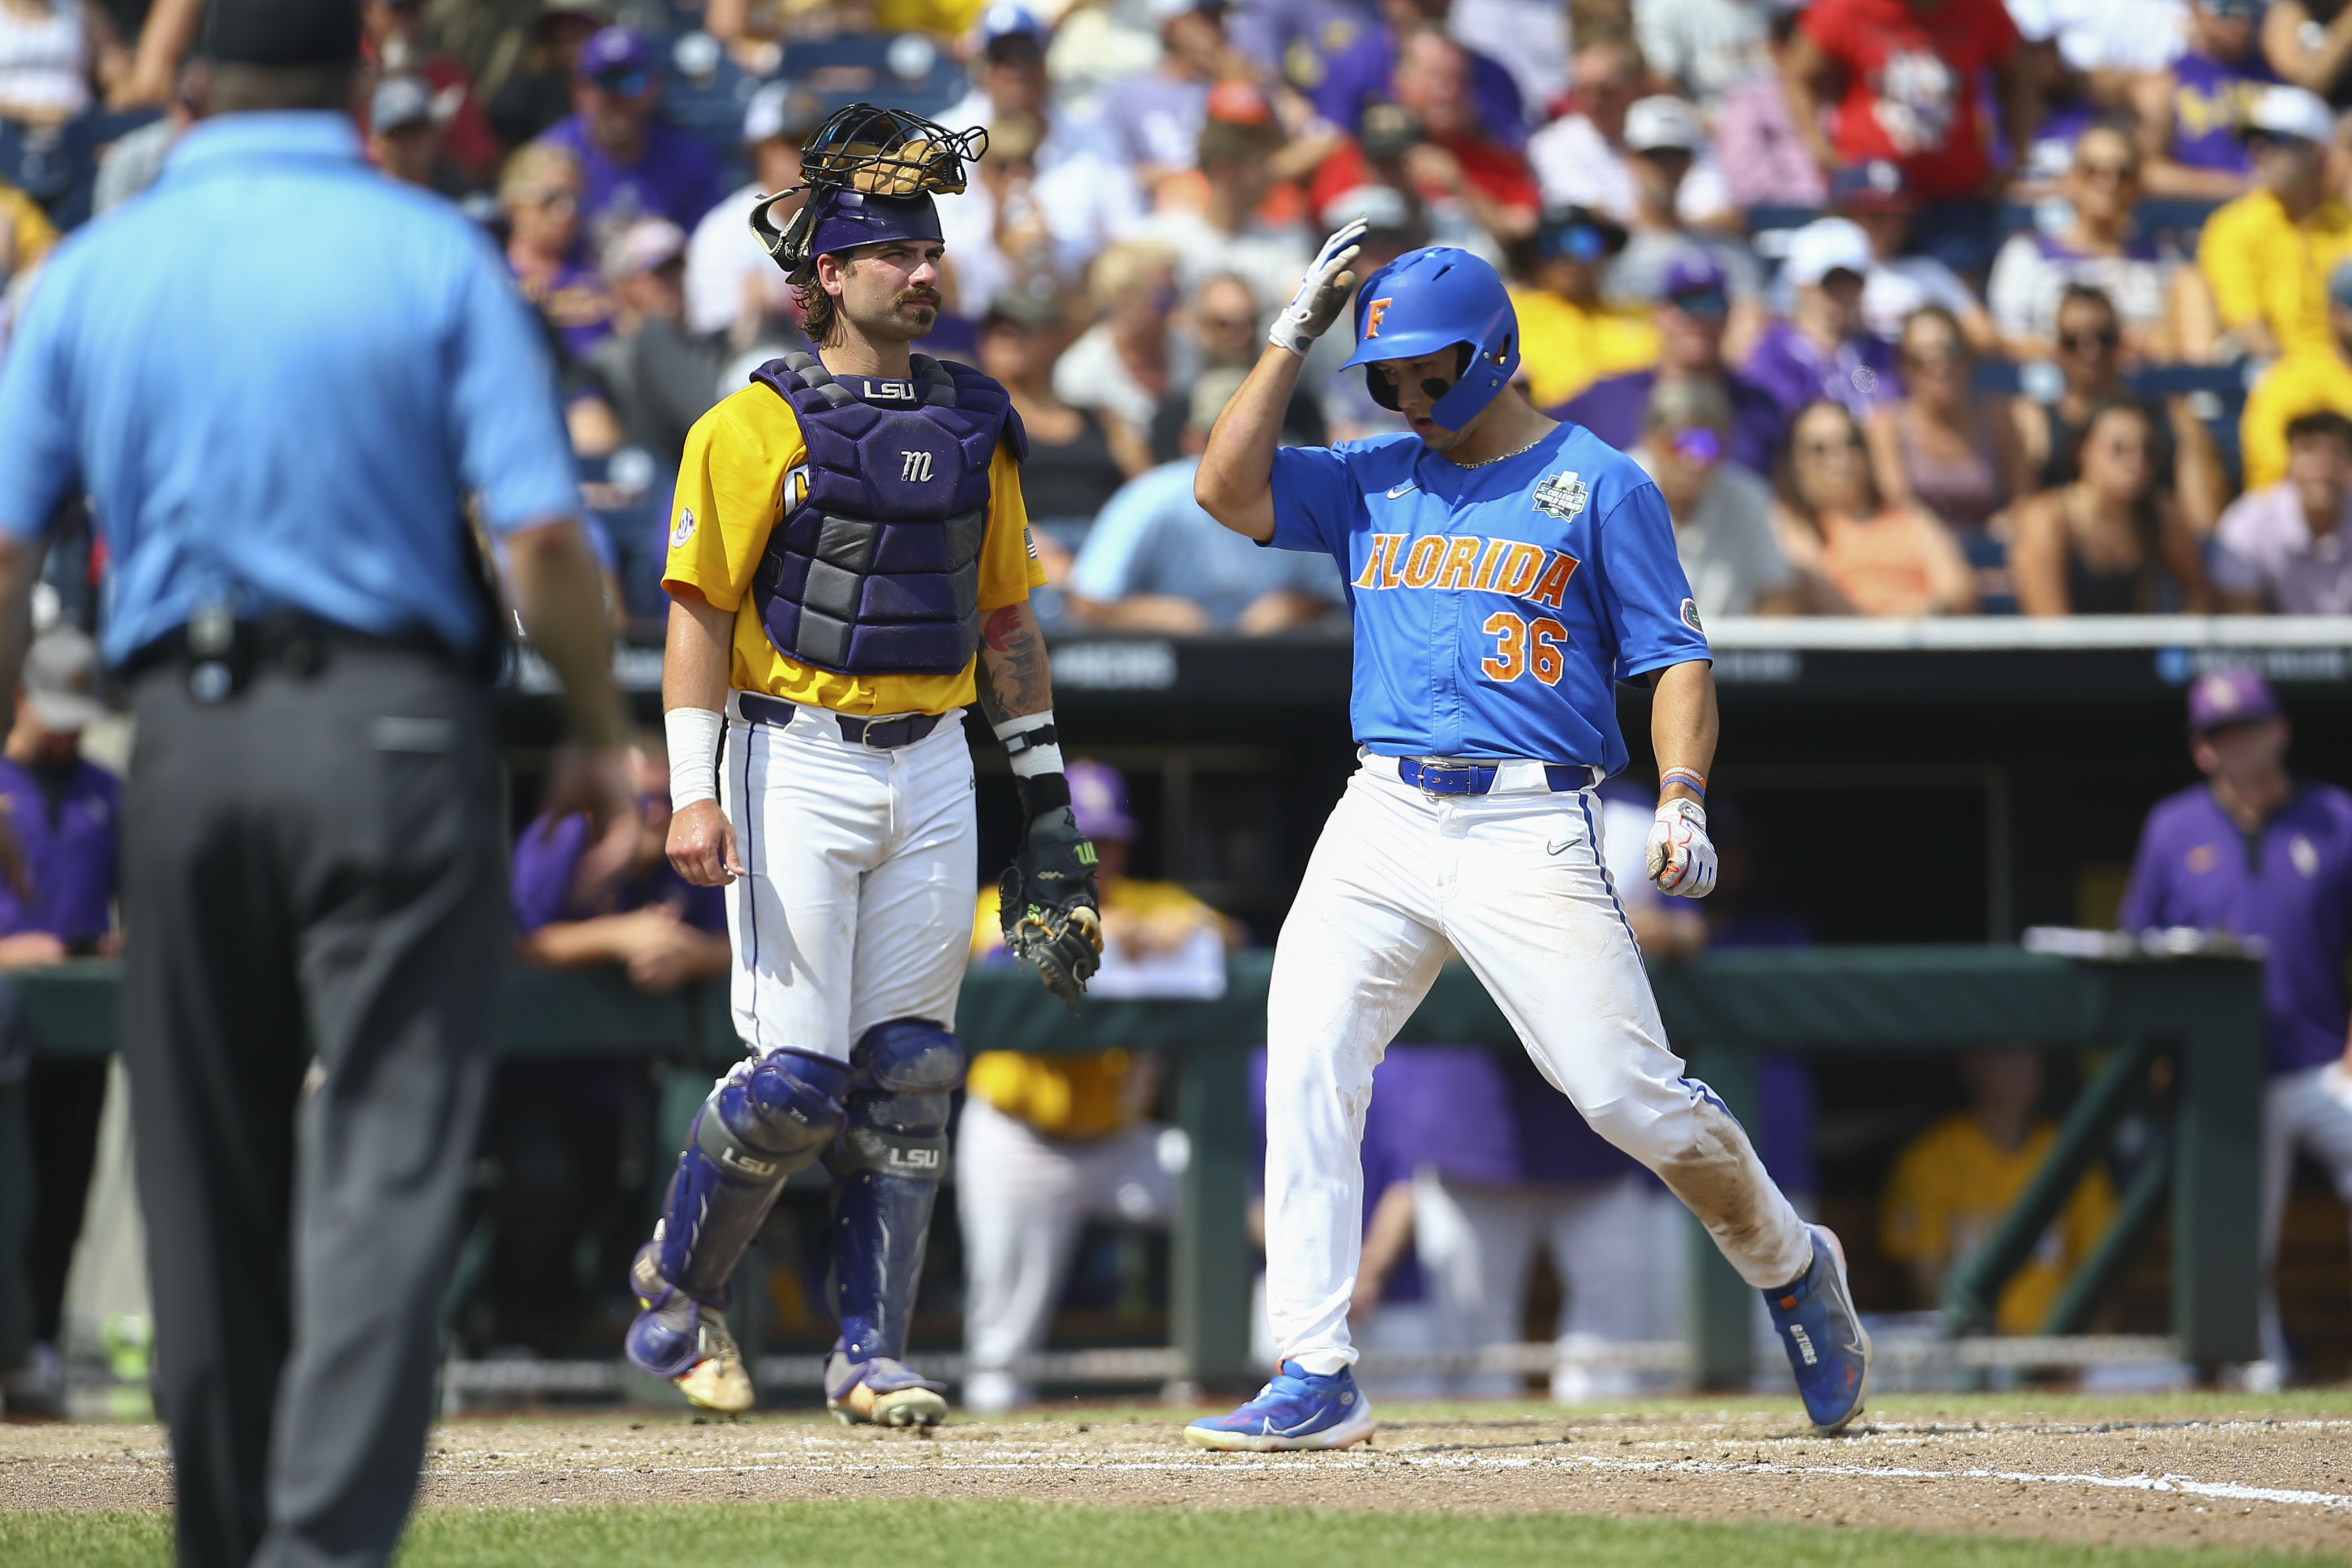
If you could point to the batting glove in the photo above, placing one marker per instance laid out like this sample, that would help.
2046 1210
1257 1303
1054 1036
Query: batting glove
1321 295
1681 856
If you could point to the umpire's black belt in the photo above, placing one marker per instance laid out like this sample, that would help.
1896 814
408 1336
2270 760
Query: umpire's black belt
220 655
878 734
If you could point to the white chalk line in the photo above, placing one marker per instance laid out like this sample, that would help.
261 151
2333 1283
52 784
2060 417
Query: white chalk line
2183 1485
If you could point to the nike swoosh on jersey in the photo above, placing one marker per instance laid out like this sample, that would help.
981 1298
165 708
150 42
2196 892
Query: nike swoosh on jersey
1400 490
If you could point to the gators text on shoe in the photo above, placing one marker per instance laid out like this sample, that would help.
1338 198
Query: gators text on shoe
1297 1410
1828 1349
883 1392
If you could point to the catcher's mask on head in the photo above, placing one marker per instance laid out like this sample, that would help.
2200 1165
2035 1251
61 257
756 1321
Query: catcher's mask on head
871 174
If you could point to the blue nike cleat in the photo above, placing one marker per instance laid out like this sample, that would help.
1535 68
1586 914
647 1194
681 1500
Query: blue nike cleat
1297 1410
1828 1349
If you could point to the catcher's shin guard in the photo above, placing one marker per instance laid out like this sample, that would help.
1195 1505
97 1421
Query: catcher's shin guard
886 1170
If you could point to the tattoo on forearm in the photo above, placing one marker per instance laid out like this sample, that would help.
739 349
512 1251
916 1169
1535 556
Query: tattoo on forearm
1013 676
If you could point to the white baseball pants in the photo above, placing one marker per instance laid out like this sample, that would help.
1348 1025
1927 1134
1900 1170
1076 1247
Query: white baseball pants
1513 882
2298 1111
1021 1199
857 909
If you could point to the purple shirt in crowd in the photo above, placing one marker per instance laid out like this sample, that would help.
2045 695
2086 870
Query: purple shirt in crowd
547 857
2210 102
2289 884
1614 410
1295 38
677 177
1360 76
67 823
1794 372
2263 546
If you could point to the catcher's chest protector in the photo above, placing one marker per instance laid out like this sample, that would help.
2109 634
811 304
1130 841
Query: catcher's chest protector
875 567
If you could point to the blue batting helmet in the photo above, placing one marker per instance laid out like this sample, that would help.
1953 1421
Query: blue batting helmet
1431 299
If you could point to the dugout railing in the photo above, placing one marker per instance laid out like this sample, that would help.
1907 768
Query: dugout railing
2203 1014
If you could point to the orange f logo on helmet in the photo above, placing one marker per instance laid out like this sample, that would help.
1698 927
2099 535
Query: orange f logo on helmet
1372 314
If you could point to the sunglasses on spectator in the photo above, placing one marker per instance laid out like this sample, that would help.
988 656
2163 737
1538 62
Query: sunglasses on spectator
1578 244
569 200
2107 168
1943 354
1850 442
1709 303
2103 340
1228 323
623 84
1698 443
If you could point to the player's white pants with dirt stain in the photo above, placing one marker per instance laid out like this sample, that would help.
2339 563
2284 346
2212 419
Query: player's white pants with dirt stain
2298 1112
857 909
1512 882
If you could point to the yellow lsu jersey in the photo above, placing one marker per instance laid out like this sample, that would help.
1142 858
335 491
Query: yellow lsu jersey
731 492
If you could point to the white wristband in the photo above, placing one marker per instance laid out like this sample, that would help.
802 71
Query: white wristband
694 736
1030 759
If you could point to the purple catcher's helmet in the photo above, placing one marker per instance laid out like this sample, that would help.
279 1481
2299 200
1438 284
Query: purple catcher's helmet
871 176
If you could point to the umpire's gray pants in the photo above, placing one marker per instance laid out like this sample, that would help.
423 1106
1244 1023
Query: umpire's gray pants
314 865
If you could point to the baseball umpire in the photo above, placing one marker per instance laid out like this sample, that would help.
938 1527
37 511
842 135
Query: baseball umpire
279 376
849 567
1505 570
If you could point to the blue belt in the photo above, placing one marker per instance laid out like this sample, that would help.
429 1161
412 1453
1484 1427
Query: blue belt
1478 777
880 734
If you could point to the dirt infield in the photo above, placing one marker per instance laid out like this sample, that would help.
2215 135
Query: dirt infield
2210 1476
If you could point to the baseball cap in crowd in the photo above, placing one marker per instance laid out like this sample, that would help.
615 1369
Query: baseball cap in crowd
2250 9
2290 112
1382 207
780 109
1579 233
61 681
1692 271
1236 102
618 59
646 246
279 33
2219 698
1005 26
1662 124
1098 801
400 102
1827 245
1874 186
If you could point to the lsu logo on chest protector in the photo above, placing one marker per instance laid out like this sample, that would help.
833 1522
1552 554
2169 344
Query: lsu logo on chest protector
1468 563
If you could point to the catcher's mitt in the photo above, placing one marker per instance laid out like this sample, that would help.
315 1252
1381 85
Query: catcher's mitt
1048 905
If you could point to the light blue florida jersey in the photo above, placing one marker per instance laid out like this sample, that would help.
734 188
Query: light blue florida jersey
1495 607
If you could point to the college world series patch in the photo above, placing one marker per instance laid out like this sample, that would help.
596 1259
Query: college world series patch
1562 495
685 529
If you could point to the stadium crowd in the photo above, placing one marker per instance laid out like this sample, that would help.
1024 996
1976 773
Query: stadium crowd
1910 308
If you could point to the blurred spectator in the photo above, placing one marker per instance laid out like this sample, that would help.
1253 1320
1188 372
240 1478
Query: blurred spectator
1822 350
1570 336
633 164
1722 512
1010 80
1389 197
2113 542
1765 163
404 136
1450 161
2103 44
999 232
540 192
1873 197
2267 255
1070 472
1225 325
537 92
66 814
2095 250
731 283
58 59
1048 1142
398 43
1294 39
2258 854
1882 558
1904 76
2089 345
1128 360
1692 309
661 377
2191 111
2286 548
1667 146
1952 1184
27 235
2310 45
1580 158
2300 384
1157 116
1943 445
1156 562
1227 236
1366 73
1705 48
131 162
1529 37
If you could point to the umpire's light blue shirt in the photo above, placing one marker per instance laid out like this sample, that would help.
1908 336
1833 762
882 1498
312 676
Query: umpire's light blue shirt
277 374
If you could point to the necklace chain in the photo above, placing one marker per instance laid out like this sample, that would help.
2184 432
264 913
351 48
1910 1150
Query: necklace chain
1503 457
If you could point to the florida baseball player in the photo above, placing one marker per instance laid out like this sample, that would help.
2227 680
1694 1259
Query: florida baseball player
849 568
1505 571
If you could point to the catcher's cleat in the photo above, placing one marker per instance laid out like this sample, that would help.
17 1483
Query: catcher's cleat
882 1392
687 1342
1298 1410
1828 1348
